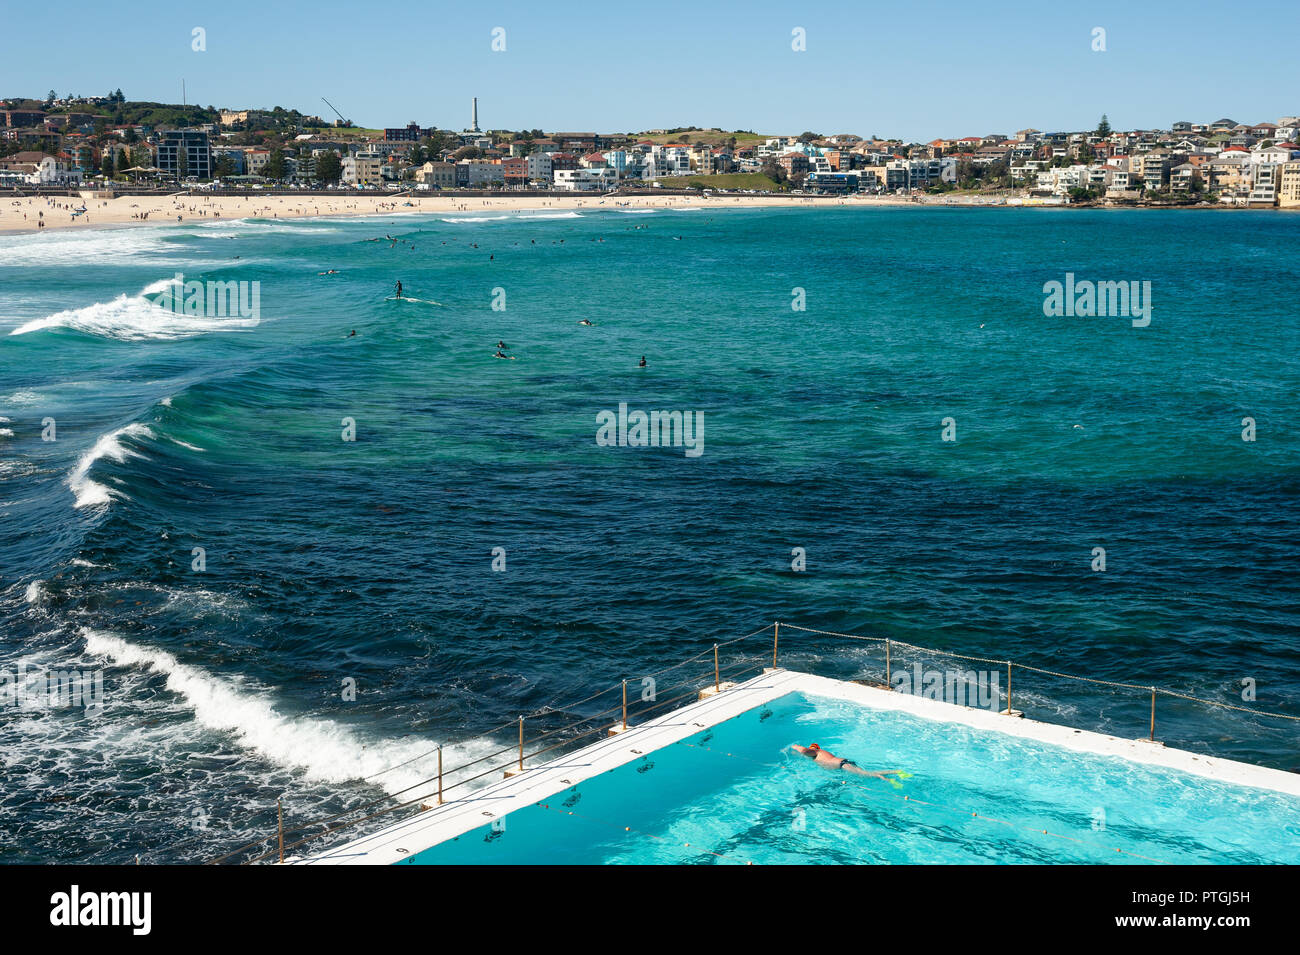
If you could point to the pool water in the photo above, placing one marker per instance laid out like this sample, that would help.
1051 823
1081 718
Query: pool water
737 794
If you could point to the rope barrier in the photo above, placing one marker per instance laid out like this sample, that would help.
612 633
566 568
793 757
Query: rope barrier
1033 669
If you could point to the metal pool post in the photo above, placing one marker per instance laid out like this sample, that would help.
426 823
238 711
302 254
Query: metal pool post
279 827
625 704
1153 714
776 640
716 686
1008 688
887 679
439 775
521 744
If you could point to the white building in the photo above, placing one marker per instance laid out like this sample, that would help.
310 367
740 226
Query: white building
539 167
593 179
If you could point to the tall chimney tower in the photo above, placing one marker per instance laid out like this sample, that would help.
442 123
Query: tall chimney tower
473 125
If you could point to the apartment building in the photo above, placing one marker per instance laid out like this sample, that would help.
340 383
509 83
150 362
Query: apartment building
363 169
1288 185
185 152
590 179
437 175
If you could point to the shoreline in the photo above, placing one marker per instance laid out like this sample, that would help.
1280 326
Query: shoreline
123 211
18 216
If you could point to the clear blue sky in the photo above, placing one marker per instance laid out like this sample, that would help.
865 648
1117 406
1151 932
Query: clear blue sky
959 69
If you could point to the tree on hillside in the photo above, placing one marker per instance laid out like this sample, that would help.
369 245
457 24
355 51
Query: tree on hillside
774 171
1103 128
328 167
275 167
108 165
808 137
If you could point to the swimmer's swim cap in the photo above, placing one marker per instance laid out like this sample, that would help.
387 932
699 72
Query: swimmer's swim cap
814 746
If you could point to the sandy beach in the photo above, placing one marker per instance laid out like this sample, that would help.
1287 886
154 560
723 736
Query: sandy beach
56 212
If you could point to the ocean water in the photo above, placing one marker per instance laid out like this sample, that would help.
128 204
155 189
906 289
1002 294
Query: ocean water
348 617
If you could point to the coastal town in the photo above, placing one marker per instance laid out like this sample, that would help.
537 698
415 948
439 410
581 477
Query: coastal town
107 143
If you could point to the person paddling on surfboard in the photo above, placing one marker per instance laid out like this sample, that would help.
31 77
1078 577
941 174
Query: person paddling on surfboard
399 289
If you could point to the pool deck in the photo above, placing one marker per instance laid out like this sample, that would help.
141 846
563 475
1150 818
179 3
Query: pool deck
402 840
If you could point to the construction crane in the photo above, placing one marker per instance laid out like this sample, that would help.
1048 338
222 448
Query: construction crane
341 121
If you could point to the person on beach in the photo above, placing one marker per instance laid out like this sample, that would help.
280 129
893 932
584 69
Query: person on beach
829 760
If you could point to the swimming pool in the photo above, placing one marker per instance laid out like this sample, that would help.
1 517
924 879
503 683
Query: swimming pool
735 794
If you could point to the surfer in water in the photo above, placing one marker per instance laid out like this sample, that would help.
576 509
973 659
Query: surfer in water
502 346
584 322
642 362
398 293
828 760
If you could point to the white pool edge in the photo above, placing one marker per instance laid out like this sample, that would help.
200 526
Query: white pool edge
404 839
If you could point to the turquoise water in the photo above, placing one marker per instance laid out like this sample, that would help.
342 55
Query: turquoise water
736 794
371 561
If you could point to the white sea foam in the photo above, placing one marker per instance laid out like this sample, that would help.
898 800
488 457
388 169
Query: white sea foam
6 432
550 215
185 444
33 592
323 750
21 398
636 212
463 220
135 318
88 492
95 247
466 219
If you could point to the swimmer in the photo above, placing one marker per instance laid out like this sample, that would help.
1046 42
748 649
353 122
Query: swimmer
828 760
584 322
